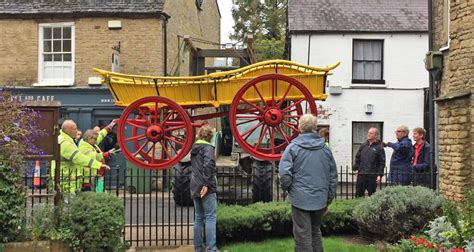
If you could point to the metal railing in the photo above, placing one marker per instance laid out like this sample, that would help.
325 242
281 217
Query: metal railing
153 218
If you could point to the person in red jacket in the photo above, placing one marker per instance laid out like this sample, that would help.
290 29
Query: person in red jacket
421 159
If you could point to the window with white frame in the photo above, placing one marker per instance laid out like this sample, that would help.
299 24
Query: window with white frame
367 61
56 54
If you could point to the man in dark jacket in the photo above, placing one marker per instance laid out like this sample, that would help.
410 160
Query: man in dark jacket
308 172
370 164
203 189
401 171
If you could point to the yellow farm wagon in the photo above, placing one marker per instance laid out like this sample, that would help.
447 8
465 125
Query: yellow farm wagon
157 128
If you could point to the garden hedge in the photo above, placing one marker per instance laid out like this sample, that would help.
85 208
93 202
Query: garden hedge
273 219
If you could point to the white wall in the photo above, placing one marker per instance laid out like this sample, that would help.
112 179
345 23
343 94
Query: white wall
398 102
403 56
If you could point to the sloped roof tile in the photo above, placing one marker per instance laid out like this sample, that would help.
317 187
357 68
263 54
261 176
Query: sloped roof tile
358 15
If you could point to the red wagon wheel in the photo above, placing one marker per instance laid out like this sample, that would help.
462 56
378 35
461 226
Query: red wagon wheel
155 133
264 114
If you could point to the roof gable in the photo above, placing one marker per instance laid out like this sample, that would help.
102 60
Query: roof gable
358 15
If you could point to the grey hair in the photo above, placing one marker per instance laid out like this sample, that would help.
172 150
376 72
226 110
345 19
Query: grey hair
307 123
404 128
90 133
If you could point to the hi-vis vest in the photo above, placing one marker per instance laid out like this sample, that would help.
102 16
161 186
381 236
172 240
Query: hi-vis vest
72 163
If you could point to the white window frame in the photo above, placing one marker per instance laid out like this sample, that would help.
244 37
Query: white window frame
55 82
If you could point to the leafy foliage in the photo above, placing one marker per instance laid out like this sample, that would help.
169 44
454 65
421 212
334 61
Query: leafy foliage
396 212
273 219
267 21
40 225
18 128
456 227
93 222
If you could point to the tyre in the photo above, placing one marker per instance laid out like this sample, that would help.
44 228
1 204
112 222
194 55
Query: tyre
180 184
262 181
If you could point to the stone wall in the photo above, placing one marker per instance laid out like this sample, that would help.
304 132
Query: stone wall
455 101
18 52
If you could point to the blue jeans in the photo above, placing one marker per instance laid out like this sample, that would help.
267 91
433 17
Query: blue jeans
205 213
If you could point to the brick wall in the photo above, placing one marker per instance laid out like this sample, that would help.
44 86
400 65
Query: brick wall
455 101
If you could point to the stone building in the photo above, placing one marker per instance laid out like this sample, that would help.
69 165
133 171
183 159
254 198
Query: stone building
453 36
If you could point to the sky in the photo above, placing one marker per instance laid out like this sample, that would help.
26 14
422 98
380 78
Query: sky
227 22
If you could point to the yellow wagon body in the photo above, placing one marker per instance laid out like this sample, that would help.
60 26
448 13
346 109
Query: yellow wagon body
215 89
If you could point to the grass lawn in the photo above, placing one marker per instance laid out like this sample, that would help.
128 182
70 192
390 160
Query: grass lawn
337 244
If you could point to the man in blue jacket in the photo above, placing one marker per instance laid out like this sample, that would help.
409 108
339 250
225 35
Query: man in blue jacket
401 171
308 172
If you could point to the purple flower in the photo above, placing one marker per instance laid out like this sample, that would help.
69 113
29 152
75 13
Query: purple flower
41 153
7 139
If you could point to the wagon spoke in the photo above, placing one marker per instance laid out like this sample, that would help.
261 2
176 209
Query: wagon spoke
252 116
251 104
291 126
251 130
153 152
180 126
244 122
260 95
143 111
168 116
272 139
292 105
142 124
174 140
287 139
172 146
141 148
156 113
163 147
260 138
279 103
138 137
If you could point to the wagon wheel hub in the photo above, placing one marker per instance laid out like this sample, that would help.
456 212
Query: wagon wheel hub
154 133
273 117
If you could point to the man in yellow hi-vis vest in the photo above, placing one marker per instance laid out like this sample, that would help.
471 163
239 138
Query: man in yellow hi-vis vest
72 160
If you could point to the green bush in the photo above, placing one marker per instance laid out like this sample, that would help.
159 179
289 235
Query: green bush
273 219
40 224
397 211
93 222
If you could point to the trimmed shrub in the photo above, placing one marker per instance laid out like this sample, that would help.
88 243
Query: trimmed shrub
93 222
273 219
397 211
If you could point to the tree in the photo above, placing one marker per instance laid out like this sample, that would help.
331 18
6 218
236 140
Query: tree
267 20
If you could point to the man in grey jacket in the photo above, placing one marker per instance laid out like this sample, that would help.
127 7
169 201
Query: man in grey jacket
308 172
